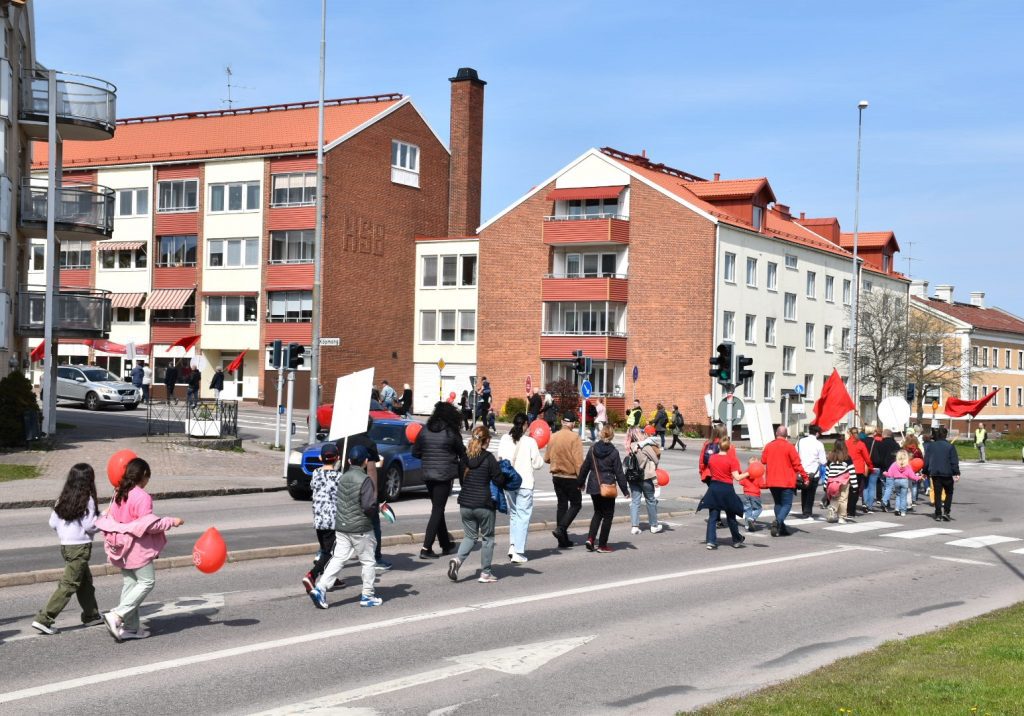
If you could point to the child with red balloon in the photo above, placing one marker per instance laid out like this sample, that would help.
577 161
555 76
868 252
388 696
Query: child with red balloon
751 497
133 539
913 447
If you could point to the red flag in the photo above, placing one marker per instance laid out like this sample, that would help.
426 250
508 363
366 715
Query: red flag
834 403
38 353
236 363
187 342
956 408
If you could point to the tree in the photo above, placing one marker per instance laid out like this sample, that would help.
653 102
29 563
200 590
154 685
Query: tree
881 349
934 356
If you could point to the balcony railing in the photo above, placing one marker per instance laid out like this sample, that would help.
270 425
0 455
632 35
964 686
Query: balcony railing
586 275
82 210
586 217
602 334
81 312
86 106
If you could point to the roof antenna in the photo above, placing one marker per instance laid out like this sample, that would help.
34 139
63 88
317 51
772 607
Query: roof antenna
229 101
910 258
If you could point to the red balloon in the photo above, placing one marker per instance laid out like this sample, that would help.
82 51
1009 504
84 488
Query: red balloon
541 432
917 464
116 465
756 469
650 430
209 553
324 414
451 397
412 431
662 476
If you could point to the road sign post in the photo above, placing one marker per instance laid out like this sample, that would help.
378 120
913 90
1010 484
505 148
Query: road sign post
586 390
636 377
440 378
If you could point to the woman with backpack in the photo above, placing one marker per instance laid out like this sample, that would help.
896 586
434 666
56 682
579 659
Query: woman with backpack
639 467
840 475
677 429
522 452
601 470
439 446
476 507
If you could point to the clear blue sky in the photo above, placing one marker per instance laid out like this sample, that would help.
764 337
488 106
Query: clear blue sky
742 88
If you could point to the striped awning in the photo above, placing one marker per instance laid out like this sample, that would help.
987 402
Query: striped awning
120 245
168 299
126 300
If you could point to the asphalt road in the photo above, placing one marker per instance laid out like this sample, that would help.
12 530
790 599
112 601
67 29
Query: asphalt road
661 624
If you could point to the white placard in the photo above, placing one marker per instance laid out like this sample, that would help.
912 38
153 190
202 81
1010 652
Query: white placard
709 405
759 426
894 413
351 404
129 351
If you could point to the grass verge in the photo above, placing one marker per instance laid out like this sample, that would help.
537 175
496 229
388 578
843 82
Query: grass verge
971 668
17 472
994 450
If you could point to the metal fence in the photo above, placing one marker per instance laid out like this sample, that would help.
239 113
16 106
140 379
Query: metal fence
204 419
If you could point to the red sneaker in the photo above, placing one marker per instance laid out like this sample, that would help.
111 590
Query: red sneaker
605 550
307 582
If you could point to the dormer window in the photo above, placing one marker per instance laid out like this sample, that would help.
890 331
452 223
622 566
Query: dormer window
886 262
757 217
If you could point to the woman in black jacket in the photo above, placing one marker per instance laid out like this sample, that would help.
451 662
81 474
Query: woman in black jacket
439 446
602 465
476 506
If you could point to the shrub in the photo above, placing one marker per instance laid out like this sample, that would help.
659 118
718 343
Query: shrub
513 406
566 396
16 398
616 419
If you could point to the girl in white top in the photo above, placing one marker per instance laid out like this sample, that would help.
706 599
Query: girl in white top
521 450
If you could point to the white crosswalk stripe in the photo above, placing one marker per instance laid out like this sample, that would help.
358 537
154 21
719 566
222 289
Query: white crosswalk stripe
1017 551
983 541
919 534
854 528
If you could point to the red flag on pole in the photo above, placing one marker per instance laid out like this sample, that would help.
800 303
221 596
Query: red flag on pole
38 353
187 342
956 408
834 403
236 363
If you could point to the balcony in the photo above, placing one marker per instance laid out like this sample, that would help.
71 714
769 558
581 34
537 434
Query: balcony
607 346
86 106
562 230
562 287
81 312
84 211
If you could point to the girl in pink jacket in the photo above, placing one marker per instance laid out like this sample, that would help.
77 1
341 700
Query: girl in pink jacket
898 477
133 539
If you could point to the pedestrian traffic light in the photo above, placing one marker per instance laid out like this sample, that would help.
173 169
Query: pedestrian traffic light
911 391
721 364
742 371
295 353
275 354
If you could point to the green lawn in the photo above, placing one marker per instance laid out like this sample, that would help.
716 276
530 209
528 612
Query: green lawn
994 449
973 668
17 472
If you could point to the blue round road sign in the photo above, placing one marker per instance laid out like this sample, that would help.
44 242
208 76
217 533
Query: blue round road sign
586 389
636 373
798 389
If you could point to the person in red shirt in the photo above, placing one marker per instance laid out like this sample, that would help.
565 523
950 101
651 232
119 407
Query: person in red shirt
724 469
861 467
782 465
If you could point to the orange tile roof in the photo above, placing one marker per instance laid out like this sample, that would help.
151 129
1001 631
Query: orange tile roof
989 319
870 239
249 131
729 188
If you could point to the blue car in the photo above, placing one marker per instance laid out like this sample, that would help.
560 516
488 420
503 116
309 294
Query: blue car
399 469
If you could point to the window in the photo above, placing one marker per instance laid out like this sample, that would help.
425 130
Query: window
995 397
129 315
756 216
468 270
974 357
845 339
39 258
974 392
290 306
828 339
75 254
750 329
769 386
868 286
429 271
178 195
933 355
995 357
789 307
752 272
584 318
812 279
748 387
405 163
1007 363
231 309
428 326
728 325
830 289
449 269
1020 360
790 261
447 326
292 247
886 262
788 354
124 259
809 336
295 189
176 251
590 209
769 331
236 196
234 253
590 265
1007 394
185 314
730 267
772 280
847 296
1020 397
467 326
984 357
808 386
133 202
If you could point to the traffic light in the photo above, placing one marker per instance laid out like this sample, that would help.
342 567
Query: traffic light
295 352
721 364
275 354
742 372
579 362
911 390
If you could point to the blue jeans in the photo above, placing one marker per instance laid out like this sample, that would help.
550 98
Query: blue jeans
734 527
520 510
871 488
783 498
901 484
751 507
643 490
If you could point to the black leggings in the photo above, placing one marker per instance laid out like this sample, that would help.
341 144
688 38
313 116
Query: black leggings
604 511
326 538
439 491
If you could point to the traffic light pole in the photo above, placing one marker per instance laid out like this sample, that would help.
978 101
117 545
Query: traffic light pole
277 423
288 426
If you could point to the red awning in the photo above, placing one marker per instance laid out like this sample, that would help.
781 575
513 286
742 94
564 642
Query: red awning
168 299
120 245
586 192
126 300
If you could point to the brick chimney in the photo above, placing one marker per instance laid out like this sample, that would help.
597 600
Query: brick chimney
783 211
467 145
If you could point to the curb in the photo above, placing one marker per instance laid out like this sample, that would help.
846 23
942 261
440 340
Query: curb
179 494
17 579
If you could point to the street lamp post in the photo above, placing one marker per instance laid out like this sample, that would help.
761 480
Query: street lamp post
318 238
855 283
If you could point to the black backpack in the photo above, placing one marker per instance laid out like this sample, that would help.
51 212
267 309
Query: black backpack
631 467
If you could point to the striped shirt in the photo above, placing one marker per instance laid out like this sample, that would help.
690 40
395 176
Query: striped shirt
837 469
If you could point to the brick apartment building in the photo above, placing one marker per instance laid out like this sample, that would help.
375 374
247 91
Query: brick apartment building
214 225
640 264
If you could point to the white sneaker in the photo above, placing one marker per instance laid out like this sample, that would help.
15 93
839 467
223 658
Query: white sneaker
519 559
140 634
44 629
636 531
657 528
842 520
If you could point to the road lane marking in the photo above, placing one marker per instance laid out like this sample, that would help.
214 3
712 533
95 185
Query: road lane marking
856 527
963 561
203 658
983 541
926 532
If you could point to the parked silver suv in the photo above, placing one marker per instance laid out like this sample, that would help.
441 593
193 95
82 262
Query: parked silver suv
95 387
